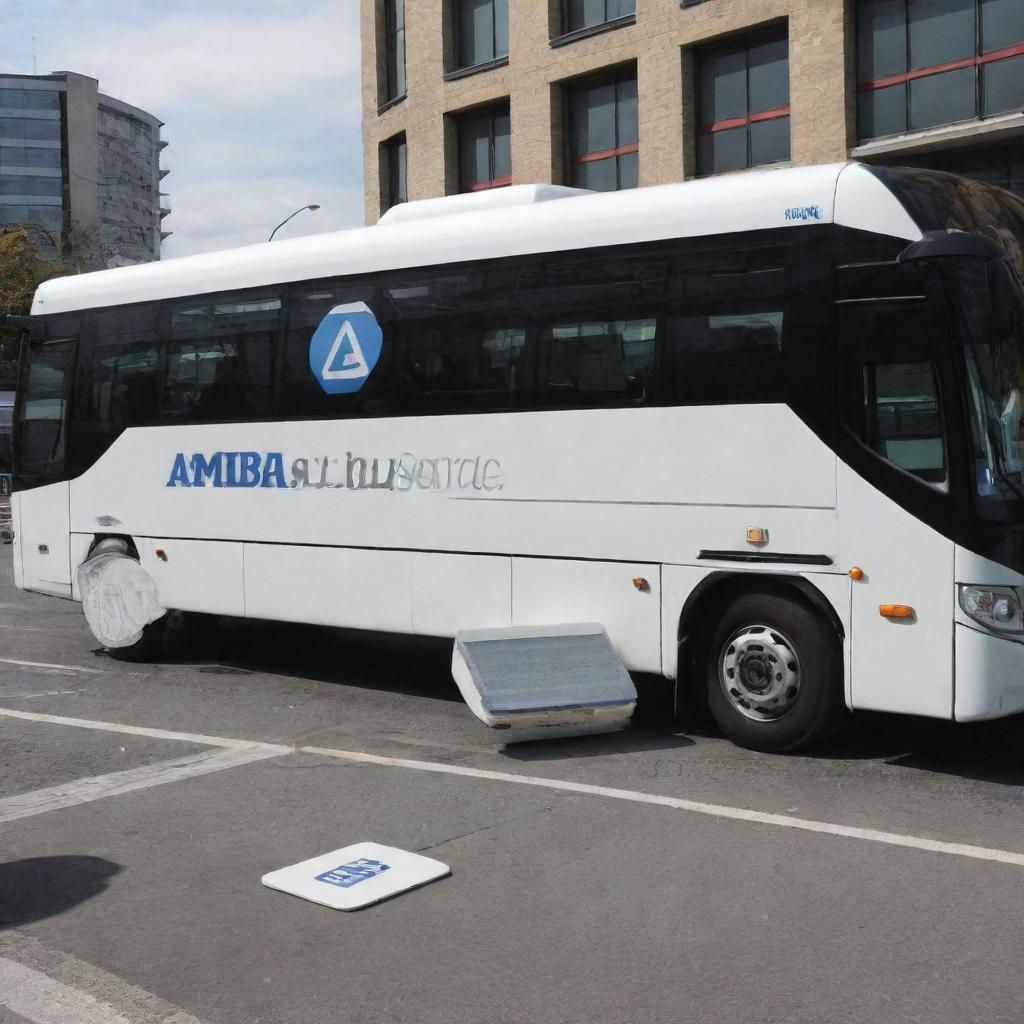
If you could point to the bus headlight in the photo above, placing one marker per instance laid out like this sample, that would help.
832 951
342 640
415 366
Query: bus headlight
997 608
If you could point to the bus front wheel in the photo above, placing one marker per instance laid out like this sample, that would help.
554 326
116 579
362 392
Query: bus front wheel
774 674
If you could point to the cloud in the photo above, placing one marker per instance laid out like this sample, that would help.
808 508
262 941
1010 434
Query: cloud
261 102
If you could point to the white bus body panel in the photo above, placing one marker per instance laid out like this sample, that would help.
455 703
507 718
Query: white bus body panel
43 539
555 516
901 665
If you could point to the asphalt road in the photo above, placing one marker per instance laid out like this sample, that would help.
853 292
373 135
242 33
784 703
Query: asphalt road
598 880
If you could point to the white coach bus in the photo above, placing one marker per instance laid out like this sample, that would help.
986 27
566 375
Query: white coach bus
765 428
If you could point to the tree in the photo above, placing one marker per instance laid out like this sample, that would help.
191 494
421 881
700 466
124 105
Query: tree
19 275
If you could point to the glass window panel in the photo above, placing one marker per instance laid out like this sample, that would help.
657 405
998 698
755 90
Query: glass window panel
610 361
13 185
41 421
769 75
940 31
723 92
600 175
474 150
500 28
41 131
476 32
620 8
16 156
727 357
218 360
397 171
942 99
1003 85
117 383
593 118
629 170
584 13
42 99
882 112
769 141
502 146
627 113
723 151
1002 24
881 39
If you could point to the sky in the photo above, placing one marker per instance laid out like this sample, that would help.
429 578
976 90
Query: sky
260 101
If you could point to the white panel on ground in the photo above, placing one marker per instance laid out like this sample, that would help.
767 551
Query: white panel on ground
539 682
356 876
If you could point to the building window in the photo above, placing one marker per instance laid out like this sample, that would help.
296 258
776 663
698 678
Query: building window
744 103
581 14
924 63
396 159
394 45
485 152
604 141
30 129
482 31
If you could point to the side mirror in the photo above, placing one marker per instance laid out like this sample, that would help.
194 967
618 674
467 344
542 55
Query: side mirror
35 325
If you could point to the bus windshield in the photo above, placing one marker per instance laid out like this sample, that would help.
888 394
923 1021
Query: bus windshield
994 360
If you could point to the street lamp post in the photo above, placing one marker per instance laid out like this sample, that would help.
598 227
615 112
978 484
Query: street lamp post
312 207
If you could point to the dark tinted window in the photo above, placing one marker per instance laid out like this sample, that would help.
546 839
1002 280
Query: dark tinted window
604 139
578 14
482 27
30 128
117 383
396 156
744 103
19 156
394 49
923 63
6 426
891 388
218 359
15 185
485 156
42 413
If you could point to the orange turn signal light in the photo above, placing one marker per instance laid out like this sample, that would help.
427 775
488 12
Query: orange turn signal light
161 554
896 611
640 583
856 573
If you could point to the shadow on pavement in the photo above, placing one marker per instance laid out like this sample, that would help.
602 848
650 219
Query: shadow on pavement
39 887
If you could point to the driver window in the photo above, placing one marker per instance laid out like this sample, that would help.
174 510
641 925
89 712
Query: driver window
892 403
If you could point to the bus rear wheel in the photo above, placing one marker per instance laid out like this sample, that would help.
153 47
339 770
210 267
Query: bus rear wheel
159 639
774 674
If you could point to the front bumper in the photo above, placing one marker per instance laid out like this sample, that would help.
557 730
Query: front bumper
989 680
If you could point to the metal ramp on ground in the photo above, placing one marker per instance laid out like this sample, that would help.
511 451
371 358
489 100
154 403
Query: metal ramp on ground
537 682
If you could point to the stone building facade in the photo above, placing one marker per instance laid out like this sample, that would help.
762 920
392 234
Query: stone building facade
467 94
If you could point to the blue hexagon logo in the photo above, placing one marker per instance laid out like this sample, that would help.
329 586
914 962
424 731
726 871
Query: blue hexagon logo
345 348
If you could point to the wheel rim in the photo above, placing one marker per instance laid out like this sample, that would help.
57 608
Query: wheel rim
759 672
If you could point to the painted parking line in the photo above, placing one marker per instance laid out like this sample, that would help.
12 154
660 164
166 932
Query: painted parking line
100 787
51 667
566 786
46 986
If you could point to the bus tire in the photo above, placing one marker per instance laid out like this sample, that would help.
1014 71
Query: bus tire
164 638
774 674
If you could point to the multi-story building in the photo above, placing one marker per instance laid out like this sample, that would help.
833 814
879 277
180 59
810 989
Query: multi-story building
463 95
74 159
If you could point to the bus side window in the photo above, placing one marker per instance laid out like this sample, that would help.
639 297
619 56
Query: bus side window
117 379
218 359
727 357
892 401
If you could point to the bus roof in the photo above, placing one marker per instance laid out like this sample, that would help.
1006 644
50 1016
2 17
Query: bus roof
514 221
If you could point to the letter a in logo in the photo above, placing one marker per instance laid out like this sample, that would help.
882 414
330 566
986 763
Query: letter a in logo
345 348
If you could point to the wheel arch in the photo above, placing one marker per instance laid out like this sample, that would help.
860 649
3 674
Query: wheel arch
721 585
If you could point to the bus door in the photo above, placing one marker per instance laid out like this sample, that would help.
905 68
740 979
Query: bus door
896 511
41 498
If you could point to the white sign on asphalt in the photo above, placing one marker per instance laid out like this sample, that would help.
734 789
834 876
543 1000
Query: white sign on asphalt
356 876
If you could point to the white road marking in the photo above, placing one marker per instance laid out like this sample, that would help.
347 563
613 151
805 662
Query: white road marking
562 785
59 668
137 730
98 787
41 693
45 986
694 806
